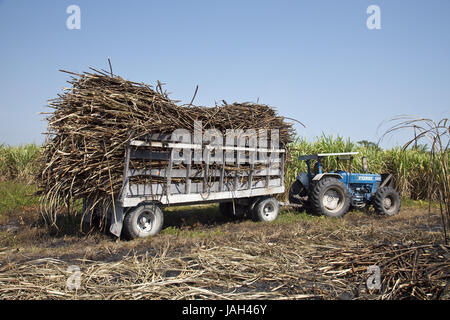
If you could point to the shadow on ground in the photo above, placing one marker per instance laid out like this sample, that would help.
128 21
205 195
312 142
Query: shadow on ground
193 216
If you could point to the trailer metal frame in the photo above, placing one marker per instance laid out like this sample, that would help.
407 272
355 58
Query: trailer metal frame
166 192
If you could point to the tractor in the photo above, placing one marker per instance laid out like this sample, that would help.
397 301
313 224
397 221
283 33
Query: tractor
333 193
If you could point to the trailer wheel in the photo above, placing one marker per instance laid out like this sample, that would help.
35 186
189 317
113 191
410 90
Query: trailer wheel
143 221
386 201
266 209
330 197
226 209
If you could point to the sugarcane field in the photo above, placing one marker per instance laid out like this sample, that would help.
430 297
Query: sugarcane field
236 153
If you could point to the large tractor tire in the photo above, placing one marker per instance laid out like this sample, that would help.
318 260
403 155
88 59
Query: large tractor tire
226 209
143 221
330 197
266 209
386 201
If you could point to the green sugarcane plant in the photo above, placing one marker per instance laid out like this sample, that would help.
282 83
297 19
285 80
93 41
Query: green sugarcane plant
436 173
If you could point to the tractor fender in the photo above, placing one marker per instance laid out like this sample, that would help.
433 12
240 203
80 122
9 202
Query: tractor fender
304 179
318 177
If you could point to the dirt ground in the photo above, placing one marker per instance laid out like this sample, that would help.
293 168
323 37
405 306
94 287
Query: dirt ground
201 255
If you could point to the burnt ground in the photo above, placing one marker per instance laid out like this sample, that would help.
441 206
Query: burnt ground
23 234
189 231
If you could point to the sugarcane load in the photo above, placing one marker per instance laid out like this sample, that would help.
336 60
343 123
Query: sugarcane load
127 150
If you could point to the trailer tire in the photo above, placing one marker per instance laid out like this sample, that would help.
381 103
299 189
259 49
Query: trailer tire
266 209
324 195
143 221
386 201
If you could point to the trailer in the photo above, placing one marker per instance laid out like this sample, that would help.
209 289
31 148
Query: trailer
154 177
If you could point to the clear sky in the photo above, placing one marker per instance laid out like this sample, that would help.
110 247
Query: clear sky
315 61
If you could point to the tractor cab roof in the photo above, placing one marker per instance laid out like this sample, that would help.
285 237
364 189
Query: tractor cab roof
342 156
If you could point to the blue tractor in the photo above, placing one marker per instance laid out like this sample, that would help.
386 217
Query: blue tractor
333 193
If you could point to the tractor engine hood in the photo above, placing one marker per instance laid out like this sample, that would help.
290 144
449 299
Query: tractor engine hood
363 178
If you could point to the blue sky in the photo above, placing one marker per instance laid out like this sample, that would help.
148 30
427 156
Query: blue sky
315 61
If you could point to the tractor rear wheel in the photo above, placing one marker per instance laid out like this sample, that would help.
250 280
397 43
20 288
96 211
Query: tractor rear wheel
386 201
330 196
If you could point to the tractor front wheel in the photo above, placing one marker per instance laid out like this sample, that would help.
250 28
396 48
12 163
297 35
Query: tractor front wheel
330 197
386 201
297 192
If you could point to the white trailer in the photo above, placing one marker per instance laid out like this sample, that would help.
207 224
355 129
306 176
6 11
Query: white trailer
153 178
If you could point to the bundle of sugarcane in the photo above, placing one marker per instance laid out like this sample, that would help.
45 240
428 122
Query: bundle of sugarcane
92 122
